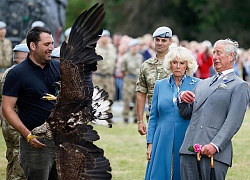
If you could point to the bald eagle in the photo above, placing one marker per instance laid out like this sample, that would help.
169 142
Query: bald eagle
79 103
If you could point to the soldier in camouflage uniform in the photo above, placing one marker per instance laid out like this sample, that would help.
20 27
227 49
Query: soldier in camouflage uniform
130 67
151 71
104 76
11 136
5 49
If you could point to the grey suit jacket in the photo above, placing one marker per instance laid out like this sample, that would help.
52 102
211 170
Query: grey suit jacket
216 114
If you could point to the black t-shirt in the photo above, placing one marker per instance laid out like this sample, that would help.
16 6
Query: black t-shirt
29 82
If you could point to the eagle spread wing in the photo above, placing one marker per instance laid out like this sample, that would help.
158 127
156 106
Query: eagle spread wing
79 103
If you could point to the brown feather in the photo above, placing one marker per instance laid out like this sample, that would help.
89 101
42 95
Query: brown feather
77 157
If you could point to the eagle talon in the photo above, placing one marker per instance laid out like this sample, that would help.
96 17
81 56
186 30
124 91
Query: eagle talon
49 97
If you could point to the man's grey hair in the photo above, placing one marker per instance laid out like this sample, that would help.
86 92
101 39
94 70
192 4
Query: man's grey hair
230 46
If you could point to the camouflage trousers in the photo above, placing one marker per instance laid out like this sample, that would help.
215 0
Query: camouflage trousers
105 82
14 171
129 95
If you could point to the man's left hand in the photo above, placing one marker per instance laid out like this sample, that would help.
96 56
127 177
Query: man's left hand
208 150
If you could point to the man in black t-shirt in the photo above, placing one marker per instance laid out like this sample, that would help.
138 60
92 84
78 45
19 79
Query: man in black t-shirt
25 86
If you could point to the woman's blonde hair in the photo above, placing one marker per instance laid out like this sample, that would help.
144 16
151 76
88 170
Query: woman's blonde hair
182 54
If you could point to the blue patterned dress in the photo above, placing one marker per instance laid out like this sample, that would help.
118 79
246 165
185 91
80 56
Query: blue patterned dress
166 129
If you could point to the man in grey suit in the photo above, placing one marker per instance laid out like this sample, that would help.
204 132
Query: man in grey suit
216 107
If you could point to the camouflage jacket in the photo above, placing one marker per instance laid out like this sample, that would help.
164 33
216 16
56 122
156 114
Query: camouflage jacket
131 64
151 70
5 53
3 79
2 82
107 65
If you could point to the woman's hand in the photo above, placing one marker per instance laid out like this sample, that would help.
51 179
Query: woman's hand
187 96
149 150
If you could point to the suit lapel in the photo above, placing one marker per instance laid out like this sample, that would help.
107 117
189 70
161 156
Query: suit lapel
208 90
205 92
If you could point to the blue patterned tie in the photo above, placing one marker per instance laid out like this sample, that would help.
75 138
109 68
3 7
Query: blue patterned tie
216 77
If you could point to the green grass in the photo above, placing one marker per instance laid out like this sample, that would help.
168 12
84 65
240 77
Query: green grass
3 161
241 146
126 150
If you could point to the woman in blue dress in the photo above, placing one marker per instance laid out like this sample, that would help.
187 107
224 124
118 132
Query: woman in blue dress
166 129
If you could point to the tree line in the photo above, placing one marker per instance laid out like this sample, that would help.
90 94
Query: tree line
189 19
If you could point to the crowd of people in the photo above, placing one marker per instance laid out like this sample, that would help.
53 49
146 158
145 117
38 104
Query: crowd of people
177 79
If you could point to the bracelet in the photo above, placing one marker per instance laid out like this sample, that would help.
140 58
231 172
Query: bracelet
139 121
30 136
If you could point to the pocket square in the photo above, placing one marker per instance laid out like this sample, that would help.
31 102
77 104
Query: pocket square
222 86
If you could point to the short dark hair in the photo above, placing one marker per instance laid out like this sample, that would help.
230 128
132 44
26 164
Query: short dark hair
33 35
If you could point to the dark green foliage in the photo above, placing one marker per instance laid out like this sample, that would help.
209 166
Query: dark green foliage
189 19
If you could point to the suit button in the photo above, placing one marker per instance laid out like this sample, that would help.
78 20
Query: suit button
201 127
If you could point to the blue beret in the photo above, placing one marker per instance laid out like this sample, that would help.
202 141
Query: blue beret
163 32
2 24
67 32
37 23
21 48
133 42
105 33
56 53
